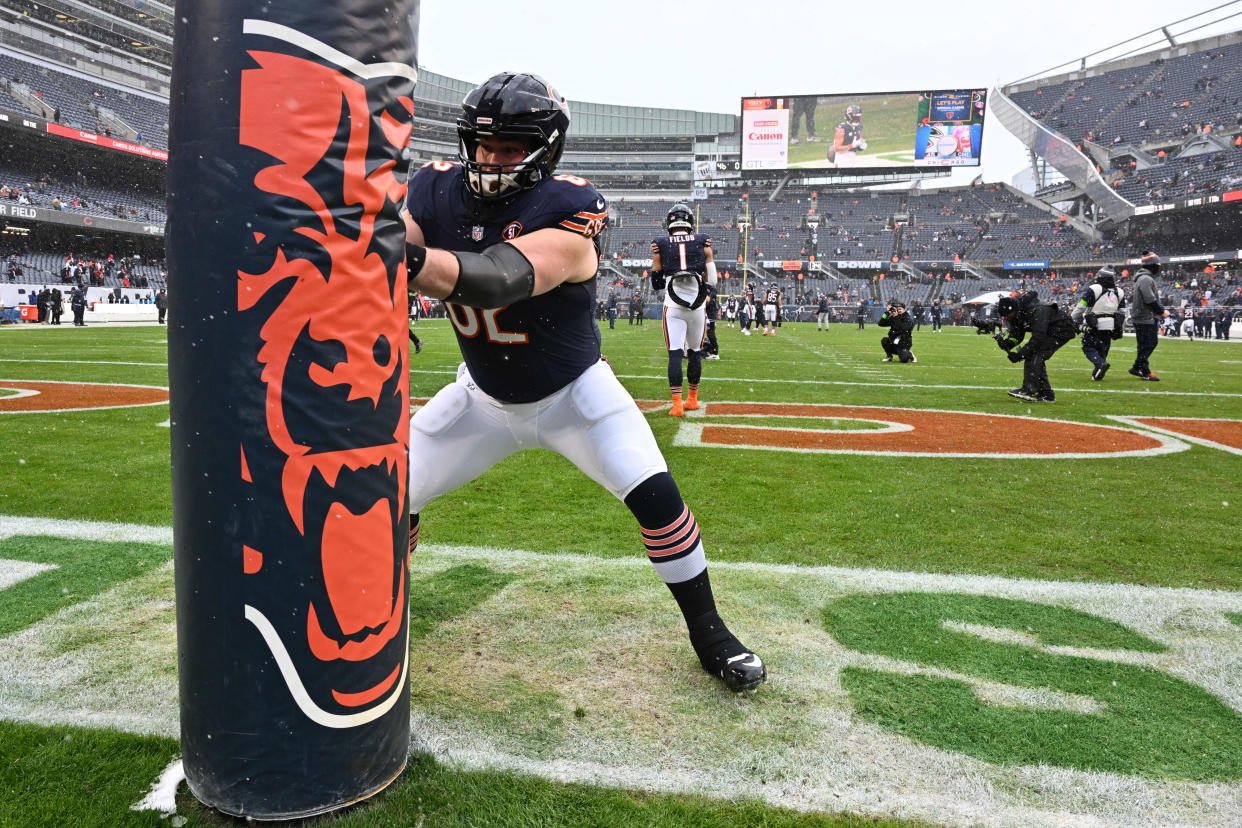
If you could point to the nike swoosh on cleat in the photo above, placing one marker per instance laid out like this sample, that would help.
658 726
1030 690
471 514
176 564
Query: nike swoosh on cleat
753 660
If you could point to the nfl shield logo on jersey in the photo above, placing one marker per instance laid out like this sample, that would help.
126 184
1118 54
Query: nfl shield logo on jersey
476 232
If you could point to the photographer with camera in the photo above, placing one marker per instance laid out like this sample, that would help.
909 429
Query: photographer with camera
1098 315
1049 327
900 333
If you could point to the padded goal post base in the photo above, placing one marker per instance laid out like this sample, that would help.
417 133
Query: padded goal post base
289 392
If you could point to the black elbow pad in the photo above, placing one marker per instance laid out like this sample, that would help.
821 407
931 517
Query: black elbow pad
498 276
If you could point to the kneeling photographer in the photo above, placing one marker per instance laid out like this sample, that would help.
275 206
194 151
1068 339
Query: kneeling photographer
900 333
1048 326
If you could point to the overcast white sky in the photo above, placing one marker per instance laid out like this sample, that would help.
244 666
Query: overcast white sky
706 56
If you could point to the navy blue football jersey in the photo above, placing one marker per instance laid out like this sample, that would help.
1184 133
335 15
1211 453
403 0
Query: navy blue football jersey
682 251
850 132
525 351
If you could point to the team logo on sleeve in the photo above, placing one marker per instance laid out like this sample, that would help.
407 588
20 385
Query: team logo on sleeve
512 230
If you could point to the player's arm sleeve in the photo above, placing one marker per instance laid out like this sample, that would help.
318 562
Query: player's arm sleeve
657 268
499 276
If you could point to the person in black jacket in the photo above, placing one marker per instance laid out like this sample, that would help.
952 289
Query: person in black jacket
77 301
711 348
900 333
611 306
1048 326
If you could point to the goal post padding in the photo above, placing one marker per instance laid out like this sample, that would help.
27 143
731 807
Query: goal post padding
289 386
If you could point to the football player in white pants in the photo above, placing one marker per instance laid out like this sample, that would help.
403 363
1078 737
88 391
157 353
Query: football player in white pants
682 265
513 250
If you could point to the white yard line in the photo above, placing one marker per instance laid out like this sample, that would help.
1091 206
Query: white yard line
804 748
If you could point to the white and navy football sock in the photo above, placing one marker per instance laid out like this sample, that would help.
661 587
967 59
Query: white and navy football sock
675 549
670 531
694 368
674 382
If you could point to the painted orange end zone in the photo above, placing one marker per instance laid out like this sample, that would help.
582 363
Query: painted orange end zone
1224 432
932 432
68 396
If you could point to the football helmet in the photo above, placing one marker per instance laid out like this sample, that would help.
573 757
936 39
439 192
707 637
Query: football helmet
515 106
679 219
853 114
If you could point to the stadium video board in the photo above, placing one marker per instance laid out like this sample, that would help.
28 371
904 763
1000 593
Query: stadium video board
872 131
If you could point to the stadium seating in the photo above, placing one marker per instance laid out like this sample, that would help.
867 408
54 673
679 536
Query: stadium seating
84 199
1143 119
79 101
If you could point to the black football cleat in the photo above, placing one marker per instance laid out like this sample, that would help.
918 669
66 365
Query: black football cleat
723 656
744 671
1100 371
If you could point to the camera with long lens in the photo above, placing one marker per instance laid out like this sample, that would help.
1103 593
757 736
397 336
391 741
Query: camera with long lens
986 325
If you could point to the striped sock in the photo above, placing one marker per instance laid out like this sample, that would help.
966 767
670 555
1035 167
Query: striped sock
676 550
415 525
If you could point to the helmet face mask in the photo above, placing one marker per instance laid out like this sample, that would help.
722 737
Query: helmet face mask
511 107
679 219
498 181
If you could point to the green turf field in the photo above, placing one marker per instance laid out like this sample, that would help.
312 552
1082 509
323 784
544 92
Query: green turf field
980 638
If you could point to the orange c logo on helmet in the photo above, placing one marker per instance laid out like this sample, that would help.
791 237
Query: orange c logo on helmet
556 98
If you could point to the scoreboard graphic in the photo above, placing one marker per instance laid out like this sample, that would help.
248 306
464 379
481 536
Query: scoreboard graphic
866 131
950 131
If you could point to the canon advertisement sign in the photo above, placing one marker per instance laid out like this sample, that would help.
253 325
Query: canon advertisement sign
765 133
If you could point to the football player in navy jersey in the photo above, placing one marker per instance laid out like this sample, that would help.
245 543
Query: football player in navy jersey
682 266
847 139
513 250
